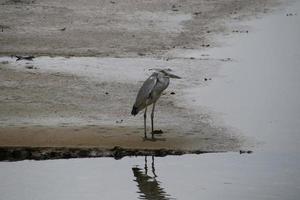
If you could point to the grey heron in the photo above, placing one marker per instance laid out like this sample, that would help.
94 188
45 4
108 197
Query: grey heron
149 93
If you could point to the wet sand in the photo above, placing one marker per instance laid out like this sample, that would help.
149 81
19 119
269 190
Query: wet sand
94 141
107 137
59 103
56 104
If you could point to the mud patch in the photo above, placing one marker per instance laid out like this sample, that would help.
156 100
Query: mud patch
47 153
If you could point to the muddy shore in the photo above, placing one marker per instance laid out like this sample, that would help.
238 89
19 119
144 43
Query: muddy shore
94 141
65 102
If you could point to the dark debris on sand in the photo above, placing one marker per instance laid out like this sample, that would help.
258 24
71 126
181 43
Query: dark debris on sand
25 58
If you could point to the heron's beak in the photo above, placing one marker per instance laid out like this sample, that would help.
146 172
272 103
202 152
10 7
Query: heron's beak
167 73
173 76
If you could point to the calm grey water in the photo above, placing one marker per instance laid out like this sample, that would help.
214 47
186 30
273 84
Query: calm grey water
208 176
257 93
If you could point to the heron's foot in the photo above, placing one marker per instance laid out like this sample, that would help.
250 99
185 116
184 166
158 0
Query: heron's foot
155 139
157 132
149 139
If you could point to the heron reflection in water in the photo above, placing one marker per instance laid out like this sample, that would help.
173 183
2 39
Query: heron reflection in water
149 186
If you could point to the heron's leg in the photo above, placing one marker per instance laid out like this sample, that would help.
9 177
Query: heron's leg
145 116
153 167
152 116
146 166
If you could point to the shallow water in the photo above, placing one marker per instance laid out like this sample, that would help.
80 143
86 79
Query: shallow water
257 93
207 176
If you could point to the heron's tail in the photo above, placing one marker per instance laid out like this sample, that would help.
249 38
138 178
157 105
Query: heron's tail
134 110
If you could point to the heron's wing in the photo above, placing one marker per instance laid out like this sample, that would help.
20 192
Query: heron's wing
145 90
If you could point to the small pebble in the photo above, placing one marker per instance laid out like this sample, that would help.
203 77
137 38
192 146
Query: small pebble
119 122
30 67
204 54
243 151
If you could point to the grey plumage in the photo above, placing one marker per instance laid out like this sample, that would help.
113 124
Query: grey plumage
150 92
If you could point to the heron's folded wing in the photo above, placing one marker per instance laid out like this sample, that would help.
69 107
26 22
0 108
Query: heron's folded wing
146 90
